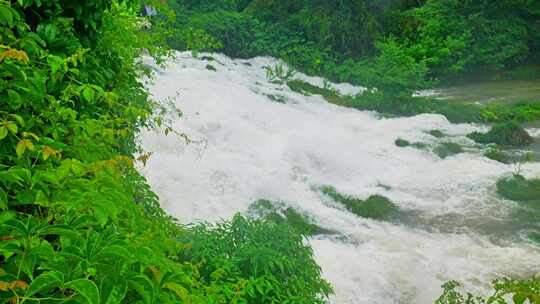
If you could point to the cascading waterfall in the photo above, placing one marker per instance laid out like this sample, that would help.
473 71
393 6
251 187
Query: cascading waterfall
247 146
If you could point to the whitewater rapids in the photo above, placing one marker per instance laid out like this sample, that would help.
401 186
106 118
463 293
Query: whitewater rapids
245 147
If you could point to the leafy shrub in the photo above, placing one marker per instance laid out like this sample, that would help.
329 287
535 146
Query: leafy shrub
520 291
344 27
507 133
392 70
375 207
279 73
520 112
234 31
255 262
454 36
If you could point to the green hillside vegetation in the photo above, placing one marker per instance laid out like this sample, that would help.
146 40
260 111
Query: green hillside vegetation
78 223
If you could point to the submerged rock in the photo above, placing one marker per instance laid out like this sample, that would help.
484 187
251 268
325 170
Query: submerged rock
446 149
436 133
499 155
518 188
400 142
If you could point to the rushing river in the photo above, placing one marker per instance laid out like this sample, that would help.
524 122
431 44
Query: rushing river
245 146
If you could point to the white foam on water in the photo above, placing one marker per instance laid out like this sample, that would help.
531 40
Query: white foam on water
252 147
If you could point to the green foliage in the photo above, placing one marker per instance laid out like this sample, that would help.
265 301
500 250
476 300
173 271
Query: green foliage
392 71
446 149
399 46
280 73
454 36
375 207
507 133
345 27
234 31
255 261
520 112
78 224
519 291
519 189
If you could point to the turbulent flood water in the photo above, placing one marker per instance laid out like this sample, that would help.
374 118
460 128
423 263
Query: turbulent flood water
246 146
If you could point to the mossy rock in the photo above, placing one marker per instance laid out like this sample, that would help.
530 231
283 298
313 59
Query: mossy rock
375 207
210 67
277 213
446 149
499 155
400 142
507 133
436 133
520 189
307 89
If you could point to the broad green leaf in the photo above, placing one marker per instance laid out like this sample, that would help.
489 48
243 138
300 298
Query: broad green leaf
144 287
3 132
116 294
178 289
20 148
18 118
23 145
18 226
86 288
50 31
41 199
6 216
114 251
88 94
3 199
12 127
44 250
44 282
519 298
6 15
61 230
